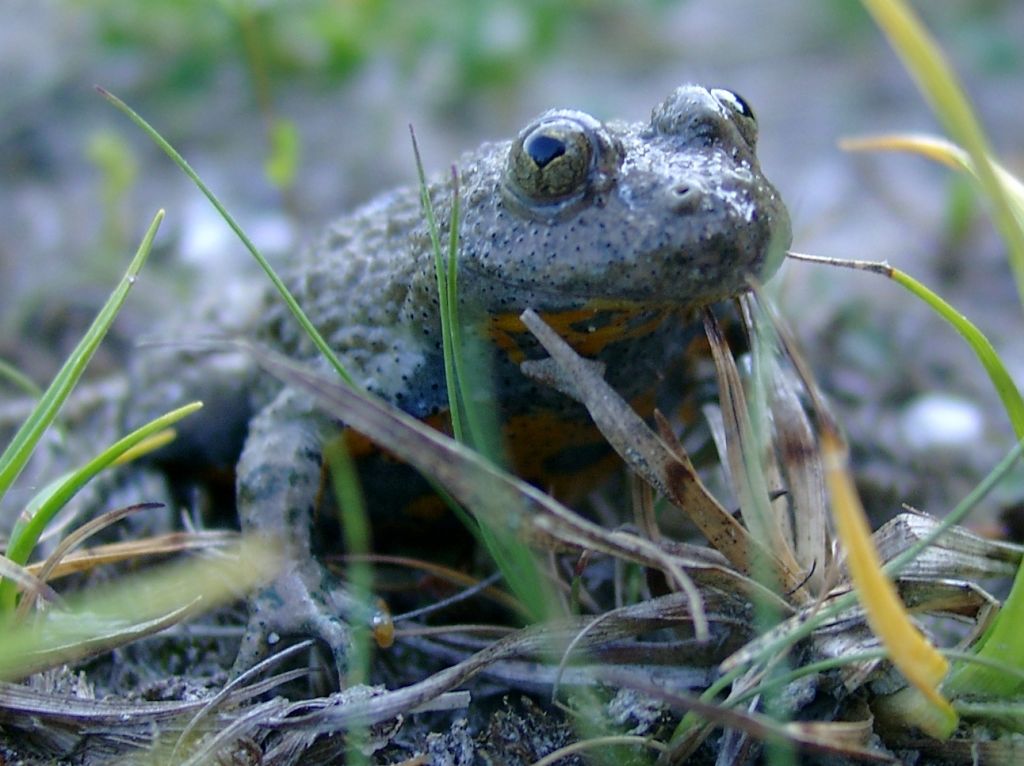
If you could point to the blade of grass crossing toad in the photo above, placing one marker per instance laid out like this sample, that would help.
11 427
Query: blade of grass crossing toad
474 385
911 653
17 453
470 355
359 577
293 305
290 301
935 78
440 270
356 528
470 422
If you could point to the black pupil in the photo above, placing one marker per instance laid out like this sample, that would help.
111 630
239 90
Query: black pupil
542 149
744 107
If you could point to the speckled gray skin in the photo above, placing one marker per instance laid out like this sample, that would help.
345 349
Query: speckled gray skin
574 214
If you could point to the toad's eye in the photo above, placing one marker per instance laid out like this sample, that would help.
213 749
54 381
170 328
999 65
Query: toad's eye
741 112
551 161
734 101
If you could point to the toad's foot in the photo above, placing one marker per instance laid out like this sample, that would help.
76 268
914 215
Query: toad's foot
303 601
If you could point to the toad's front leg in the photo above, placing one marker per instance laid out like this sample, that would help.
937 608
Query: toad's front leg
279 477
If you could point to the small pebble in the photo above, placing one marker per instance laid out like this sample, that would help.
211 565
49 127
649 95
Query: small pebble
941 422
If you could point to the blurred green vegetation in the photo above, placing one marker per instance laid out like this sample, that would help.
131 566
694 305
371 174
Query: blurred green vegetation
485 42
982 34
118 169
465 45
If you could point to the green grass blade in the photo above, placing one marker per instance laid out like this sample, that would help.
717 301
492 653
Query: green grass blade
355 521
938 83
355 525
912 653
17 453
1001 643
936 80
19 379
109 617
30 526
470 422
946 152
982 347
282 289
448 312
840 604
474 389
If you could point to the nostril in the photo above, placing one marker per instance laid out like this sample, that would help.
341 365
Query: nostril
684 196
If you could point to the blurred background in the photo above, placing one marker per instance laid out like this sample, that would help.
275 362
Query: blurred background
295 112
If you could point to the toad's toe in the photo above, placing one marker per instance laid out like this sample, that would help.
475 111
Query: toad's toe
305 601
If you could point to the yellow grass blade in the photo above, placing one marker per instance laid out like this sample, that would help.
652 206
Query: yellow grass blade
911 653
939 149
937 82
